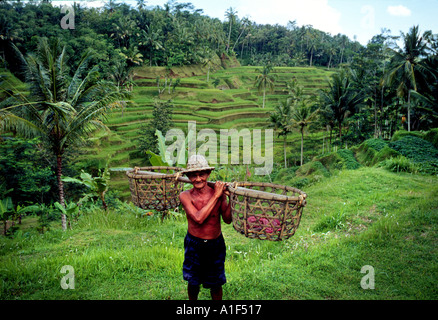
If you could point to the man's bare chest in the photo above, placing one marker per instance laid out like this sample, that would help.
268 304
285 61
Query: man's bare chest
200 203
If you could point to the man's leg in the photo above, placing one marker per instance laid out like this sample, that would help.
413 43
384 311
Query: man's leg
216 293
193 291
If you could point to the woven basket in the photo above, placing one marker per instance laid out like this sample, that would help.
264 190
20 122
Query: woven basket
266 211
155 188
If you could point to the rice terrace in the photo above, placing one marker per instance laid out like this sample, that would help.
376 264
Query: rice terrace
98 123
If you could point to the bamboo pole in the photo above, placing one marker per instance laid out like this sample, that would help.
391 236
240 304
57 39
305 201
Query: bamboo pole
234 189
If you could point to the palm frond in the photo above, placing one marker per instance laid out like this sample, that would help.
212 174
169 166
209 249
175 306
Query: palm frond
10 121
77 82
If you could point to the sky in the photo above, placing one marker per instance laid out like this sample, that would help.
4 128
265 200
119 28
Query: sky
358 19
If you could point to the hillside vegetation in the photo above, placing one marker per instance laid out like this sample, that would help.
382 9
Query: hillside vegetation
232 102
373 204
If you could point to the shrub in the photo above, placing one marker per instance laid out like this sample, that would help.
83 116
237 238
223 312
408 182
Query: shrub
312 168
421 152
376 144
399 164
364 153
383 154
299 177
331 161
285 174
416 149
432 137
373 151
400 134
299 182
348 158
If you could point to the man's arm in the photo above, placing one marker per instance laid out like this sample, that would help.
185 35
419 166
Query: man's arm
226 208
199 216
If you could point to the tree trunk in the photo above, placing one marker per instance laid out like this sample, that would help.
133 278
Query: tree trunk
105 206
229 37
381 110
302 145
311 57
264 94
284 151
376 125
409 110
61 190
330 141
340 132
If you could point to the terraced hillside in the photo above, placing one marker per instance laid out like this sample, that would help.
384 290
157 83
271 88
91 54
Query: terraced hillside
228 100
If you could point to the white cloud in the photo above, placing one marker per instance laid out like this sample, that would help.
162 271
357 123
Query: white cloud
317 13
399 11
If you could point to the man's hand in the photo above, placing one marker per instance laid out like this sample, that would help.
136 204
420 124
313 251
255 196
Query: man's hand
219 188
226 192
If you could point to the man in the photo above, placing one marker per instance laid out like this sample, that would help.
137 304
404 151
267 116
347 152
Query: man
204 245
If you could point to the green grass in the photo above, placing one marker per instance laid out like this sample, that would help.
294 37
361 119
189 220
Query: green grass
354 218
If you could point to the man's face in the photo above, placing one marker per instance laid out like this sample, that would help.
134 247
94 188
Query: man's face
198 178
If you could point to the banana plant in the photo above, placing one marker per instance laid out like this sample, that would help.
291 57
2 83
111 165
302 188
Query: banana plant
6 210
160 158
19 210
71 210
98 186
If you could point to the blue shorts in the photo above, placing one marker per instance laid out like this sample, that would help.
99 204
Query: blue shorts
204 261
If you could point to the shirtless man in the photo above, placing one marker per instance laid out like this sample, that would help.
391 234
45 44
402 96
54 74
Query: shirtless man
204 245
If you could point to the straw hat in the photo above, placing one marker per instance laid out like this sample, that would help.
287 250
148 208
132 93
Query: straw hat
197 163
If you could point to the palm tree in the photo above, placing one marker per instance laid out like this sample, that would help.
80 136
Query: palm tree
280 120
311 38
121 74
132 56
408 66
231 15
327 120
207 61
151 40
340 99
141 4
61 110
123 29
265 79
331 50
342 42
301 116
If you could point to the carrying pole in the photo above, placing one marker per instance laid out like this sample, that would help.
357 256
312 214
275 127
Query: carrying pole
237 190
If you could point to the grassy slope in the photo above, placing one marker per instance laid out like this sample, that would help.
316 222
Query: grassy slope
354 218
